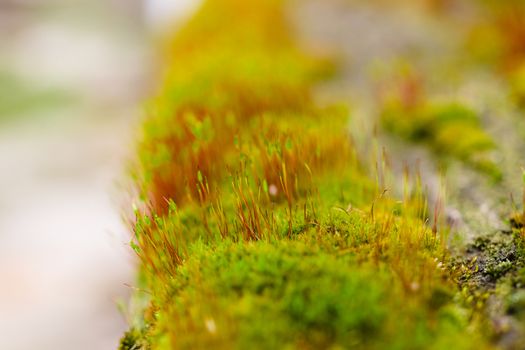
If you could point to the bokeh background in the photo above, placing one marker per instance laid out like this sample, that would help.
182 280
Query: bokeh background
73 75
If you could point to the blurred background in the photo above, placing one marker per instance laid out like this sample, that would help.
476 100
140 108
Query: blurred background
73 75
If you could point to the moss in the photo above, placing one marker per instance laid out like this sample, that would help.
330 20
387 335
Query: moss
259 227
492 281
133 340
451 129
497 256
293 294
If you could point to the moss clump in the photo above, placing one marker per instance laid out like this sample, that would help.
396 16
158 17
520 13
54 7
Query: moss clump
223 78
295 294
451 129
496 257
258 227
133 340
492 278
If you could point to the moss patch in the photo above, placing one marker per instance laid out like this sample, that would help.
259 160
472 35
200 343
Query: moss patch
258 227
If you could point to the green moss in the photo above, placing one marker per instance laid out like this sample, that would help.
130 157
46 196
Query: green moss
261 228
133 340
492 281
292 294
497 256
450 129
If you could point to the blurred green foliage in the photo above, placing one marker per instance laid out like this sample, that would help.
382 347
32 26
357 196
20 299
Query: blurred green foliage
19 97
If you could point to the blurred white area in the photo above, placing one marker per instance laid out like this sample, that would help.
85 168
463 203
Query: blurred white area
64 256
162 14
